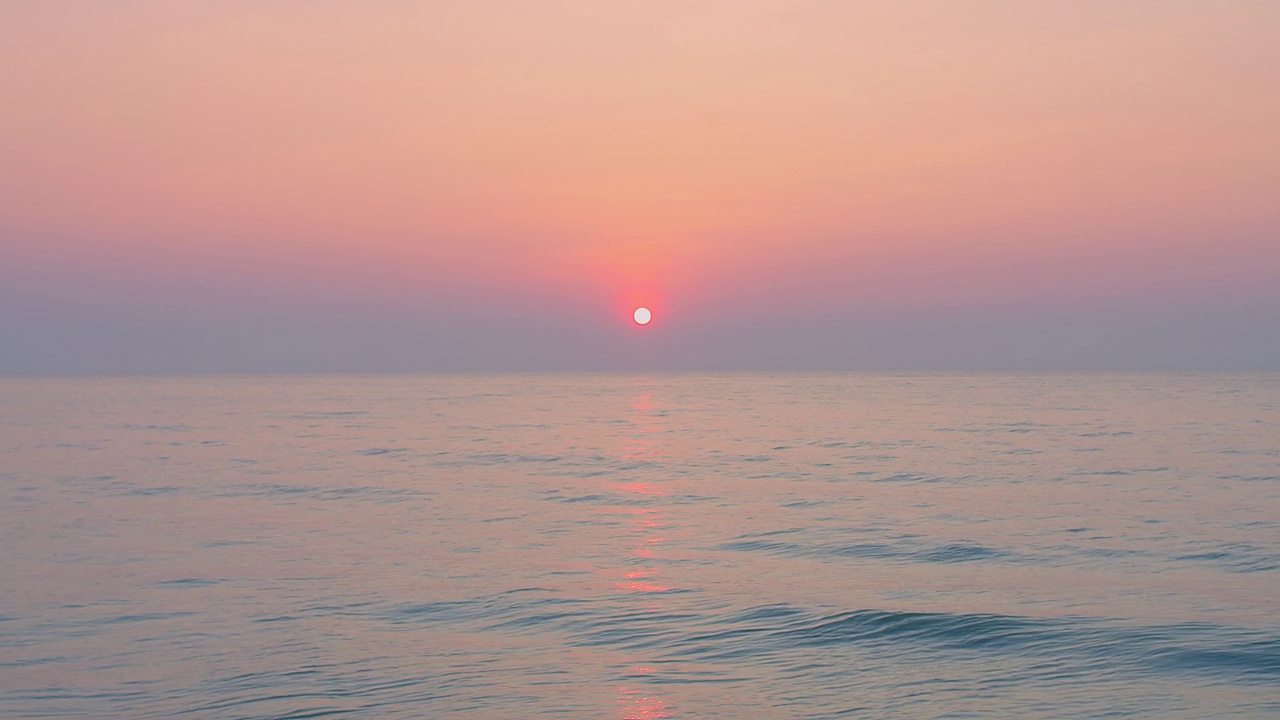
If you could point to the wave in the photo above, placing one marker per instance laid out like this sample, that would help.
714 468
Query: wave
1058 648
900 551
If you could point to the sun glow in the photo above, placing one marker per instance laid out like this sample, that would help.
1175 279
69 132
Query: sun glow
642 316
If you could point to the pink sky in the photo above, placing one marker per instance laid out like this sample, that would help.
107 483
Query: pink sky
506 163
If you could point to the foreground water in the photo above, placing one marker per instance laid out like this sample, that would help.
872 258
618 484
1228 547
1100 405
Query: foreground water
667 546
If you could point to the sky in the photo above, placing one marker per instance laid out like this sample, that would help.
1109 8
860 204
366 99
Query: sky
493 185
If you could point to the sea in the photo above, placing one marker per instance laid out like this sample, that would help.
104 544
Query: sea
641 546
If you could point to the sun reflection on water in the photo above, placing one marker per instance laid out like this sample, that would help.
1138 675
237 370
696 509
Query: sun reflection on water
638 704
648 525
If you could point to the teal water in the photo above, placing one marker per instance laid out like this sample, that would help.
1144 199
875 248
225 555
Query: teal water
627 546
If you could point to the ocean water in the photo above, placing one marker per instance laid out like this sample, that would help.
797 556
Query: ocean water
641 546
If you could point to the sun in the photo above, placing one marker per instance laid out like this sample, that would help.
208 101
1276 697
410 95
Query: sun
642 316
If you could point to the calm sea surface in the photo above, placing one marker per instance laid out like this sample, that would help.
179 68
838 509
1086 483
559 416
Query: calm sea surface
664 546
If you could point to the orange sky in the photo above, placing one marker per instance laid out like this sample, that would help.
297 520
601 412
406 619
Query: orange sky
713 155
